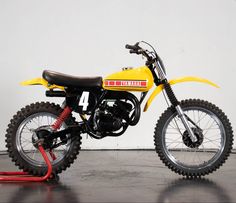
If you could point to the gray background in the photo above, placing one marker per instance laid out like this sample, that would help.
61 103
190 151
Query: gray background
87 38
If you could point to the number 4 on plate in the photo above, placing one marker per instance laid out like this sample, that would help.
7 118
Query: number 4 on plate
84 100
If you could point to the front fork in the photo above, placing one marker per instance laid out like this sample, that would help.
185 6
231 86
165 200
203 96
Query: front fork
179 110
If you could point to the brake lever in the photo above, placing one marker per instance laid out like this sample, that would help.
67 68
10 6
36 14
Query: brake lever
136 51
133 51
137 45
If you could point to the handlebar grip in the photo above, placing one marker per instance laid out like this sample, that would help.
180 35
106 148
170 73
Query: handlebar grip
127 46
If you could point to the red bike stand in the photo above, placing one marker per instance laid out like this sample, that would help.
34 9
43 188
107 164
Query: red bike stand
24 176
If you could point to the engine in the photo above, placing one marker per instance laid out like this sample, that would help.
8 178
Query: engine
112 116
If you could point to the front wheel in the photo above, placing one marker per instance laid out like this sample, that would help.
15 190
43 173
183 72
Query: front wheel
214 138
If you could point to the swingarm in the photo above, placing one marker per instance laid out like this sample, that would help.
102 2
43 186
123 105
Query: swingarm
46 137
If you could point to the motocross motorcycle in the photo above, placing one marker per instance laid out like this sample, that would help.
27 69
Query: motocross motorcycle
192 137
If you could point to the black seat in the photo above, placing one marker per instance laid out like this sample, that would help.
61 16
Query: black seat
71 81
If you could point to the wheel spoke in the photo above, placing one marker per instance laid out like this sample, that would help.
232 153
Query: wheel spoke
23 146
26 139
27 128
37 125
201 118
194 117
206 131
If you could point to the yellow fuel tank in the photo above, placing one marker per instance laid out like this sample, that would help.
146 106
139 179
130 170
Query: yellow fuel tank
135 79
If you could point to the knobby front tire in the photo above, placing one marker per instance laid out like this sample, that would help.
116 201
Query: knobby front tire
212 148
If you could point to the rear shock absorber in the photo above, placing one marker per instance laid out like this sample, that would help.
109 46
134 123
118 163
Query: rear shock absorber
57 124
63 116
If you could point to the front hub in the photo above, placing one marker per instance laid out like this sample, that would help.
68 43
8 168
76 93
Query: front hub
187 140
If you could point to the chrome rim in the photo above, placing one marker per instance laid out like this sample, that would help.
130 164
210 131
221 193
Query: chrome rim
24 143
209 150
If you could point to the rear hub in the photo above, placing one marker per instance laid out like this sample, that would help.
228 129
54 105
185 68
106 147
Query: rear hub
42 135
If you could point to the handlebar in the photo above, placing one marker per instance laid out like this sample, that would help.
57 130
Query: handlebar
136 49
152 57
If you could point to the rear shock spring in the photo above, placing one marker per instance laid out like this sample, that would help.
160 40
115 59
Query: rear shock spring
63 116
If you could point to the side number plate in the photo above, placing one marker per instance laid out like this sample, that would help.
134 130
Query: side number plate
84 101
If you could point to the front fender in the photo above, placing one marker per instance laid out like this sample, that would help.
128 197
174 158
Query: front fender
173 82
41 81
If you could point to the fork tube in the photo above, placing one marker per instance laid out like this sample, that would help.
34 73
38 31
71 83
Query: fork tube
185 123
179 110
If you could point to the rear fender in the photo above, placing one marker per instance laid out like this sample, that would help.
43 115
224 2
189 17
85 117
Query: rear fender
41 81
173 82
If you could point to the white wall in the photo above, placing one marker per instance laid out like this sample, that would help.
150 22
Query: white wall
86 38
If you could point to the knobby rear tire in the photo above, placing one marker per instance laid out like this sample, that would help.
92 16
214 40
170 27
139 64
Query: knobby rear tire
11 137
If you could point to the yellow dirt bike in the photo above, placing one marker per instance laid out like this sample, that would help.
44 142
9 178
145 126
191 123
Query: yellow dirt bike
192 137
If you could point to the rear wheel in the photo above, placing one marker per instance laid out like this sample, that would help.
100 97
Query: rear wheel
214 139
20 139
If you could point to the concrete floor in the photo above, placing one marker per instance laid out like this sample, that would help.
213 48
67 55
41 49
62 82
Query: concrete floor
123 176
